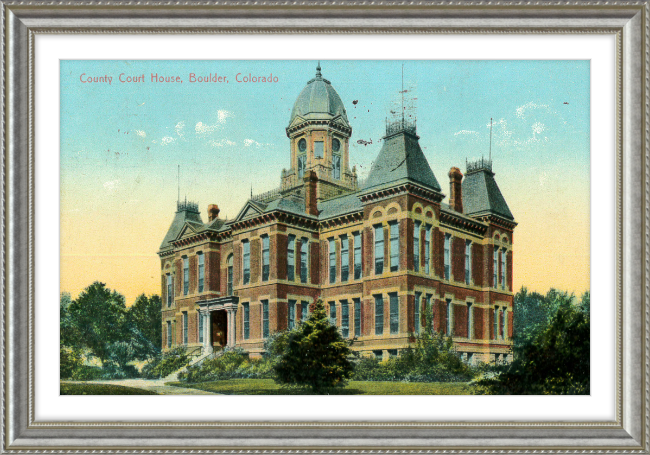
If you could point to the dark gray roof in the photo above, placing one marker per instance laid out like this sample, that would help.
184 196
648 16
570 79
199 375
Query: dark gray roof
339 206
291 203
181 216
481 195
319 100
401 159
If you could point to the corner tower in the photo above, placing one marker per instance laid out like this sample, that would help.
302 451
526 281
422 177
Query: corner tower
319 132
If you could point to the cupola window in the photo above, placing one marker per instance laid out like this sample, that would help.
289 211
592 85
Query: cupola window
319 149
302 160
302 145
336 167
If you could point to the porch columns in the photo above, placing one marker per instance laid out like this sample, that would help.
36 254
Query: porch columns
232 325
207 333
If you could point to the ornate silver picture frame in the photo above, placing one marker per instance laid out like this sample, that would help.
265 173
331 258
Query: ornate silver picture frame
628 21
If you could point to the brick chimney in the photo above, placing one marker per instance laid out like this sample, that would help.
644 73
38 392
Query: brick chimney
456 193
310 193
213 212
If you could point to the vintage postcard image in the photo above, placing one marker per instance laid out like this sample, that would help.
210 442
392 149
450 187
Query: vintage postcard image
325 227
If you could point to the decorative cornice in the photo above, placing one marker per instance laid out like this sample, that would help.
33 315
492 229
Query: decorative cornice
411 188
316 122
462 222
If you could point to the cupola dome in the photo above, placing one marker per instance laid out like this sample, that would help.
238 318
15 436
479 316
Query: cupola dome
319 101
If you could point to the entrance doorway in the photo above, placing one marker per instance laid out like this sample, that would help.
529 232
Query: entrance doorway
219 328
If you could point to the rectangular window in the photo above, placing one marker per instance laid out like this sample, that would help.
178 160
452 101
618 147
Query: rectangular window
447 256
304 259
291 260
265 318
357 317
318 149
379 315
416 246
394 247
468 262
504 313
496 266
496 322
345 258
379 249
427 249
230 274
200 321
186 276
304 314
265 258
345 319
169 334
332 251
333 313
247 262
450 318
428 313
302 159
247 321
416 313
170 290
201 271
394 313
503 269
470 321
184 327
357 255
336 167
292 314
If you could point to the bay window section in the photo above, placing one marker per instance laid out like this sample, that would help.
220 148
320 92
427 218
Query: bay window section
265 258
291 260
379 249
332 259
345 258
394 246
357 255
247 262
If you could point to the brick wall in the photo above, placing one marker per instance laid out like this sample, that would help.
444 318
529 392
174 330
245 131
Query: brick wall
213 271
438 251
256 260
479 321
281 243
458 259
314 263
478 270
460 320
509 270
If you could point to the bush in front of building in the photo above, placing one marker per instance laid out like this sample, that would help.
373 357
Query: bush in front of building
431 359
165 364
316 356
554 359
229 364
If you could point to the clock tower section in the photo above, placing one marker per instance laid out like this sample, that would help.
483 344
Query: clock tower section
319 134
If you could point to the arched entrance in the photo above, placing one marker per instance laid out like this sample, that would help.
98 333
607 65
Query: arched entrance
219 325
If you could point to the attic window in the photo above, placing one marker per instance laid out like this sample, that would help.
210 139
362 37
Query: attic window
318 149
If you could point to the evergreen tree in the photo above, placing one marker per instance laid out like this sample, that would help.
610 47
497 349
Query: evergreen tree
316 355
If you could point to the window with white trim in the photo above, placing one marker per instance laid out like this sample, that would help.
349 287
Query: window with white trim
291 260
201 259
345 258
416 246
246 259
447 256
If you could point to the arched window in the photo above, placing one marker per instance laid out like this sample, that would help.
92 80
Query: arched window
229 284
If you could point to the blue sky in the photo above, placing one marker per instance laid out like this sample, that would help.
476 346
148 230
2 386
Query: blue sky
121 143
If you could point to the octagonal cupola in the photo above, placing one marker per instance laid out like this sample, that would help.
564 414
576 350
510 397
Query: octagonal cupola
319 132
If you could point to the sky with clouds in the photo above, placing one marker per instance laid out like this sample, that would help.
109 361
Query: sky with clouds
122 143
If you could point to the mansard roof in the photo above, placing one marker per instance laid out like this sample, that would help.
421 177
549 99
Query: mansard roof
481 194
342 205
186 212
401 160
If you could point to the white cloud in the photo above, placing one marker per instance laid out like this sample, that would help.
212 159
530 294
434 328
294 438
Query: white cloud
222 143
180 126
167 140
466 132
521 110
249 142
111 185
203 128
538 128
140 133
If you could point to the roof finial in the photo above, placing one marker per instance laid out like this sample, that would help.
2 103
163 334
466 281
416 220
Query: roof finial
318 73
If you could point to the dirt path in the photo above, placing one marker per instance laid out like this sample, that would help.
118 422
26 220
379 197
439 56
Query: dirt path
152 385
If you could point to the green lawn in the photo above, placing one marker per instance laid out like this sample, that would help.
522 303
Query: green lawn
101 389
269 387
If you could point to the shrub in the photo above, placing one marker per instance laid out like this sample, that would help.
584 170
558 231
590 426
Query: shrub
87 373
165 364
229 364
316 355
70 361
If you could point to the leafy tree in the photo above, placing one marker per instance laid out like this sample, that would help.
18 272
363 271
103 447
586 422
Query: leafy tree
555 359
144 327
68 330
316 355
98 316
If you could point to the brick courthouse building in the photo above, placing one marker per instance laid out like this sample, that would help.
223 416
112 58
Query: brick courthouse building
377 254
